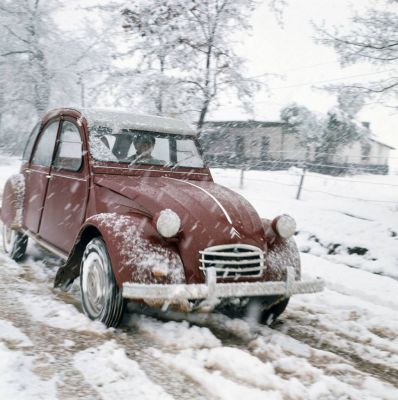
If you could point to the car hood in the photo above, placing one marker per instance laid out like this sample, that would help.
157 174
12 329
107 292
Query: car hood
210 213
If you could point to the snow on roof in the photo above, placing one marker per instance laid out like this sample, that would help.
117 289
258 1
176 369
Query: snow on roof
374 138
244 124
121 119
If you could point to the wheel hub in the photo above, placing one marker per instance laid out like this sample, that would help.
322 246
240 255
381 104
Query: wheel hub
94 283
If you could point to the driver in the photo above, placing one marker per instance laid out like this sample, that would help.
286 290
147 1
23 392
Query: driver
144 144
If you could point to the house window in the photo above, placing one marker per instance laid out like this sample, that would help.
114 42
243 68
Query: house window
264 147
365 151
240 148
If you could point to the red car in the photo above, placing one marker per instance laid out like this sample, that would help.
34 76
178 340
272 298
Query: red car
127 201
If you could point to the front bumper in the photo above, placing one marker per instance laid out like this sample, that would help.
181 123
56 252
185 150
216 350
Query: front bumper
211 291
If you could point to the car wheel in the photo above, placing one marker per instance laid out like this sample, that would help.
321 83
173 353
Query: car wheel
101 297
264 310
269 315
14 243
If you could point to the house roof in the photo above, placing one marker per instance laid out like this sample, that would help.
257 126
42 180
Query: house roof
243 124
375 139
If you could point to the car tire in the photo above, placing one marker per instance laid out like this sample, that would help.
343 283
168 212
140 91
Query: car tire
101 297
268 315
14 243
264 310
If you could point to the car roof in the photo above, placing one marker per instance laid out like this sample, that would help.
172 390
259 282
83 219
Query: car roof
120 119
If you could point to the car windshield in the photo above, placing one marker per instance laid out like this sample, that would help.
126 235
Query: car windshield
133 147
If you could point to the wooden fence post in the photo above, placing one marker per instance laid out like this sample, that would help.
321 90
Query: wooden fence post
242 173
300 184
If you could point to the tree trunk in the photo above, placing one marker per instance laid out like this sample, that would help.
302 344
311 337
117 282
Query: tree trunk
159 100
38 62
202 115
206 92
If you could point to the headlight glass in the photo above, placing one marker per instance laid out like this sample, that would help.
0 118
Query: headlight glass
168 223
285 226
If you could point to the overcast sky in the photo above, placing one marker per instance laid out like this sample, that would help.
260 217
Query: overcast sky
291 51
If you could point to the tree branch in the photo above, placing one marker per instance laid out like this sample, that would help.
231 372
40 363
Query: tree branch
371 90
10 53
15 35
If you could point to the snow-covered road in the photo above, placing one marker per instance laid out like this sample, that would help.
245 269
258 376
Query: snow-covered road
339 344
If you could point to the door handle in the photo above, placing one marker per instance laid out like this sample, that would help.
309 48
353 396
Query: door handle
49 176
28 171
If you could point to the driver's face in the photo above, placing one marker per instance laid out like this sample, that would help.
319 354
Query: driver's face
143 147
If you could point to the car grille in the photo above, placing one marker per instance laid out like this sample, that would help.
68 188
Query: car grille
233 261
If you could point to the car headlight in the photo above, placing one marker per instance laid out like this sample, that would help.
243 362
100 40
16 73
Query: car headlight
284 225
168 223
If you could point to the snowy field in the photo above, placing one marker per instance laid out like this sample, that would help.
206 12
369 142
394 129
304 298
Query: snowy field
339 344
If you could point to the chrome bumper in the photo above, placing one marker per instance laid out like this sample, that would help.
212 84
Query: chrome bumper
211 290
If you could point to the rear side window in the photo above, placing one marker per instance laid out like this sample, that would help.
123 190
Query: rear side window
31 141
45 147
69 155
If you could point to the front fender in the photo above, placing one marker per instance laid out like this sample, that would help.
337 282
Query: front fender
136 251
13 199
282 253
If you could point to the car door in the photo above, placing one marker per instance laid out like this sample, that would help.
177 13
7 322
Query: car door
65 203
37 175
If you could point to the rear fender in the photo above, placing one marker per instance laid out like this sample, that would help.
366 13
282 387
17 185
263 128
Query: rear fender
13 199
136 251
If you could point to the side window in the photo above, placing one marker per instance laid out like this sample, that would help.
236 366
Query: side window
45 147
188 154
70 149
31 141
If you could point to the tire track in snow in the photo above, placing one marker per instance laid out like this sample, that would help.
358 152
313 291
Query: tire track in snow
321 337
26 287
274 345
379 370
52 357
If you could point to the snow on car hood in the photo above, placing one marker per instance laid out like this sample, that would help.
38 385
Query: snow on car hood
205 208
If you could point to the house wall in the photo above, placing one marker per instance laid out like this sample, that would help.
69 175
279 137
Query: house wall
352 153
257 143
349 154
379 153
292 150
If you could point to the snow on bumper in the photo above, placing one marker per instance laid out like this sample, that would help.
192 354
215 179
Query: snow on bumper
213 290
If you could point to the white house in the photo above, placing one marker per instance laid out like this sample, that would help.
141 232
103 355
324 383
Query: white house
265 145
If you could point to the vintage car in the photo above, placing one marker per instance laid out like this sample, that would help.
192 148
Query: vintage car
127 201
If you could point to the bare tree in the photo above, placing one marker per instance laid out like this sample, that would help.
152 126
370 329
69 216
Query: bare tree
326 134
304 124
190 45
340 129
24 50
370 37
42 65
